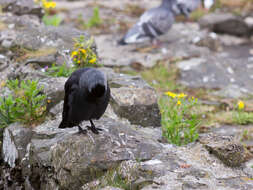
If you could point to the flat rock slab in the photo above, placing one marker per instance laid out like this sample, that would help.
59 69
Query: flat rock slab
233 76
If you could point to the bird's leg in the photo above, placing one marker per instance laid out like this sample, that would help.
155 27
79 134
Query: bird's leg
93 128
81 131
156 43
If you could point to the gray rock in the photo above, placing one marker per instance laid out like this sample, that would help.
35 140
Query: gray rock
138 105
226 149
225 23
54 89
15 141
86 157
49 44
132 98
221 72
22 7
111 188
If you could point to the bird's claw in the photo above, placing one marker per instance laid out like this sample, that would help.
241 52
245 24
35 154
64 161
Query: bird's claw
95 130
81 131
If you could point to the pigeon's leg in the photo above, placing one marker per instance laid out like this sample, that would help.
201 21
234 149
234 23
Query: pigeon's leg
156 43
81 131
93 128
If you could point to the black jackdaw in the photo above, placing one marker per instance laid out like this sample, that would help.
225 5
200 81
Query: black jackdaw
87 95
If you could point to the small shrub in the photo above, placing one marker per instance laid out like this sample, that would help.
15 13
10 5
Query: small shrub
26 104
83 55
60 71
180 125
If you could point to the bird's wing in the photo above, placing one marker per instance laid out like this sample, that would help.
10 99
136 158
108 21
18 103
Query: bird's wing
152 23
70 86
159 21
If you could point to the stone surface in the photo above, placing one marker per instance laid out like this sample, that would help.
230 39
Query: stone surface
21 7
89 155
132 98
15 139
230 152
50 44
225 23
230 75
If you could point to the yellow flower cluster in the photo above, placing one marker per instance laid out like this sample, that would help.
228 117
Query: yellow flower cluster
174 95
240 105
48 4
81 54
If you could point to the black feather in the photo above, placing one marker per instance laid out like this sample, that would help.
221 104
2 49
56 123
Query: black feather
87 95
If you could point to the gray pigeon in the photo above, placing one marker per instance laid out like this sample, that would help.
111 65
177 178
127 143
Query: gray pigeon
152 23
87 95
187 6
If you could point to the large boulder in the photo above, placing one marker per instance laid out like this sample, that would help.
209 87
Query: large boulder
132 98
66 158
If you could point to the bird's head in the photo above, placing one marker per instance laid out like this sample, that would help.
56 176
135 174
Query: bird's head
97 91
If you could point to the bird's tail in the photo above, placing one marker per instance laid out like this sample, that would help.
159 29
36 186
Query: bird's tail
62 125
122 42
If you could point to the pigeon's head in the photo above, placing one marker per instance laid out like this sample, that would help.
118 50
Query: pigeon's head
170 4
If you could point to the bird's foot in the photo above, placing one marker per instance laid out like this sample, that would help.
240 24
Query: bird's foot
82 131
94 129
156 44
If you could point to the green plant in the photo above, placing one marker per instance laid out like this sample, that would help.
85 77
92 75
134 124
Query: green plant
7 109
83 55
60 71
240 116
54 20
50 18
180 124
25 104
95 20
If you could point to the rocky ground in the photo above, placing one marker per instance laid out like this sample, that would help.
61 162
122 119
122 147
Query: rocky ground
211 59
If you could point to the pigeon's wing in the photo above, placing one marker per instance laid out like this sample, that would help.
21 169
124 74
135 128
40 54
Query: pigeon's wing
159 22
152 23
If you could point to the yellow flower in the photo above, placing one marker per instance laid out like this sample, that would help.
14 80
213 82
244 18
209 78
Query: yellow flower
83 51
171 94
48 5
240 105
93 60
78 61
179 102
73 54
2 84
181 95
